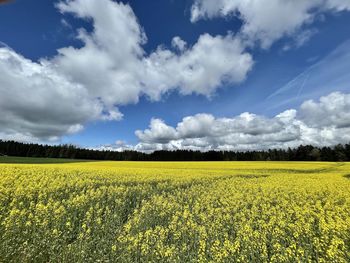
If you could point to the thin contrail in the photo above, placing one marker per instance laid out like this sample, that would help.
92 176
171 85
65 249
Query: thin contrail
2 44
303 84
288 85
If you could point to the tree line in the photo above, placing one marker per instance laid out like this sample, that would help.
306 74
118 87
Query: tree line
302 153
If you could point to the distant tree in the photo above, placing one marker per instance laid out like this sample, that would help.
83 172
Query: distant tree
315 154
302 153
339 153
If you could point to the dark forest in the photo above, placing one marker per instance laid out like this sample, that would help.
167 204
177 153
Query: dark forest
338 153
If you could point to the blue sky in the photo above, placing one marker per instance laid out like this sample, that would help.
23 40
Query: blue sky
302 60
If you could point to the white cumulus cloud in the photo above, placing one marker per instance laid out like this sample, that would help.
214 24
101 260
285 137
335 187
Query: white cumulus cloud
268 21
37 102
322 123
113 65
56 96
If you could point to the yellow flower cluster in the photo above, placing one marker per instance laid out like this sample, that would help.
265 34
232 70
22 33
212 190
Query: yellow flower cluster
175 212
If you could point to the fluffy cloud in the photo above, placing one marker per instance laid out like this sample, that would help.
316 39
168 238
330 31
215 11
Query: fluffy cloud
332 110
158 132
37 102
267 22
122 72
108 63
201 69
325 122
55 96
178 43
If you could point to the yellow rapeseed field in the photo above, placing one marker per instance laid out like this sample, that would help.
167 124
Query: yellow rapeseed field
175 212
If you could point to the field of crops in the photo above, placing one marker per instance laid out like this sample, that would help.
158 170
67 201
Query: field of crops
174 212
